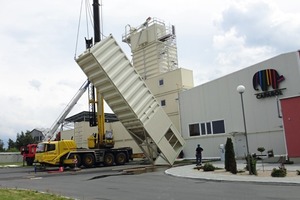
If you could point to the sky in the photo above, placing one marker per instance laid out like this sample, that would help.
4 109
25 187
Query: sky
40 39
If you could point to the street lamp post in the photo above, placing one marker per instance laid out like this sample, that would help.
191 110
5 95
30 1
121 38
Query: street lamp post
241 90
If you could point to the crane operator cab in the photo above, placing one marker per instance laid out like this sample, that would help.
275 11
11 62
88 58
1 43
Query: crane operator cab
107 141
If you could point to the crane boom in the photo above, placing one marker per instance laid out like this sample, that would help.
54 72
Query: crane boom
66 111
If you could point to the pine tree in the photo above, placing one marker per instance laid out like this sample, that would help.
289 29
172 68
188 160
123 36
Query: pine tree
11 144
23 139
1 146
230 162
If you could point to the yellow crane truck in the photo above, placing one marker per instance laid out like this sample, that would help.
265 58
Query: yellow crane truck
65 153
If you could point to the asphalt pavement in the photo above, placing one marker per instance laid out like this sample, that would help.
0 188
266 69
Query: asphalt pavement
189 171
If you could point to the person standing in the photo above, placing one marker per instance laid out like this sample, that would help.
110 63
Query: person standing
199 155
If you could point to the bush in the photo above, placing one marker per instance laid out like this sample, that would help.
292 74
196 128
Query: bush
252 163
208 167
261 149
230 162
281 172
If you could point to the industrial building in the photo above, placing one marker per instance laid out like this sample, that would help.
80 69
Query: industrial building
211 112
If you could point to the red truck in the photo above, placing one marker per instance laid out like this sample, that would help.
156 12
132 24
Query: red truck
28 153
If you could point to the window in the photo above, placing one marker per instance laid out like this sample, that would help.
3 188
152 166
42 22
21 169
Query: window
213 127
40 148
163 102
218 126
203 131
208 127
194 129
44 147
161 82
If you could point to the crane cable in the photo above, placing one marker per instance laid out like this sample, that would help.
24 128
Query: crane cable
88 16
76 45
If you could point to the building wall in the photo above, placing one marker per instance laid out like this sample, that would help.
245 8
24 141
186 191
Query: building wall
173 83
37 135
219 100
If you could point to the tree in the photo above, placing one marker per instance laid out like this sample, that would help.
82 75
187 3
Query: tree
230 162
11 144
23 139
2 146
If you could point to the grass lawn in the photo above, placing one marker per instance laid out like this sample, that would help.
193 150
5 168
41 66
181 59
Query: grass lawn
14 194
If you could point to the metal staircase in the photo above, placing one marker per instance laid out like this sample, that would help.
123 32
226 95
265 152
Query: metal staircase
123 89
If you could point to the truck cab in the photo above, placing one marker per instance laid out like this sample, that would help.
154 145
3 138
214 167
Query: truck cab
28 153
54 152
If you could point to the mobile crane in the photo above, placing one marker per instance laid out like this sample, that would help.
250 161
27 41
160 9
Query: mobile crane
28 152
64 153
100 145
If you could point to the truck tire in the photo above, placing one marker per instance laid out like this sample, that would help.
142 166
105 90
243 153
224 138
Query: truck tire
121 158
109 159
88 160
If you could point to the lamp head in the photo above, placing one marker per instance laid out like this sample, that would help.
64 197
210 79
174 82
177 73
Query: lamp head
240 89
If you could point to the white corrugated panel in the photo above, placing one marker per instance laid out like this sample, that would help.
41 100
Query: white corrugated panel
108 68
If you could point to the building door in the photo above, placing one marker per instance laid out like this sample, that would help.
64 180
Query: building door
291 121
240 145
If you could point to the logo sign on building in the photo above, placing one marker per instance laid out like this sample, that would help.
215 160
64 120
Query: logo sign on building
265 80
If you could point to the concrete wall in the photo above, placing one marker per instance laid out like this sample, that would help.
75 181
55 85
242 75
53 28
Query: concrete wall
10 157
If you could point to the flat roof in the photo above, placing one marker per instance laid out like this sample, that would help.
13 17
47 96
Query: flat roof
85 116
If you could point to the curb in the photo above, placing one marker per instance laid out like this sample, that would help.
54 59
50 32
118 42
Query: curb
233 178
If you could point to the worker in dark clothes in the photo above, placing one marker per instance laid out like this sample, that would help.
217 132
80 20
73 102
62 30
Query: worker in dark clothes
199 155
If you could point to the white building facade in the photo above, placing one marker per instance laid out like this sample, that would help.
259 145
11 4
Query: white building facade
212 112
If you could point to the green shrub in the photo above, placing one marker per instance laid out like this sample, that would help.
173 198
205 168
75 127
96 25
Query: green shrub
208 167
230 162
261 149
252 163
281 172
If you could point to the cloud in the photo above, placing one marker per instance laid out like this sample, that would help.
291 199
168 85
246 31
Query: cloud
252 31
35 84
260 23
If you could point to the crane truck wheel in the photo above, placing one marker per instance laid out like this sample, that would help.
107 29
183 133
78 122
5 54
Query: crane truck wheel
109 159
121 158
88 160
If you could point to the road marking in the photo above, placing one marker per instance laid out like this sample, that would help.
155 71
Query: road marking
36 178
